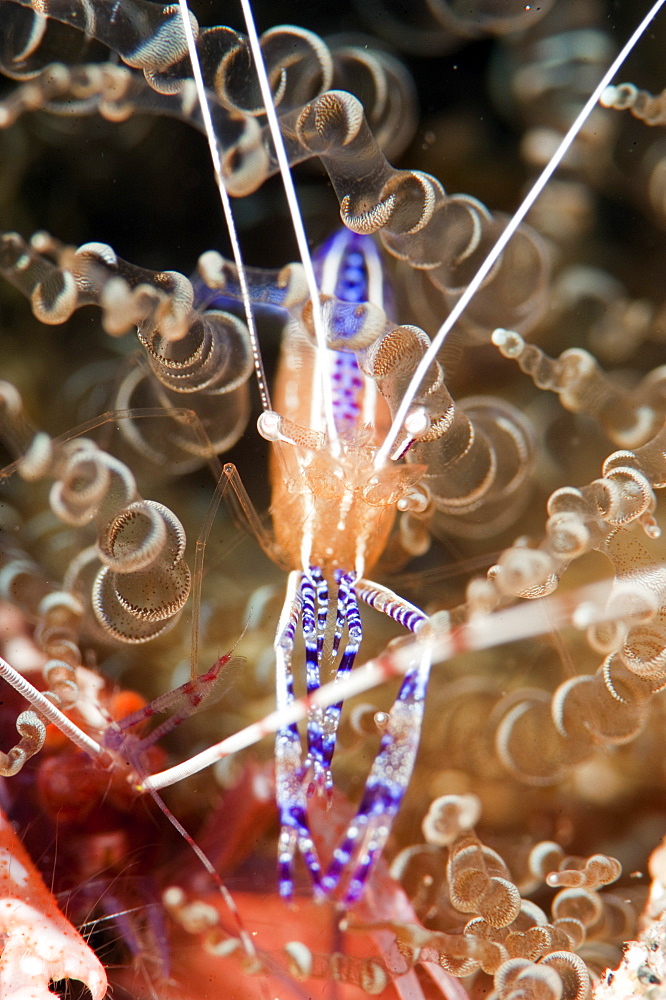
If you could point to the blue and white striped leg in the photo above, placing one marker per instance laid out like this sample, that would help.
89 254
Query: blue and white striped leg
289 770
314 594
323 723
348 614
391 771
391 605
343 580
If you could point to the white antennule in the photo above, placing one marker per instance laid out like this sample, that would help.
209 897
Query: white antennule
384 453
297 223
224 198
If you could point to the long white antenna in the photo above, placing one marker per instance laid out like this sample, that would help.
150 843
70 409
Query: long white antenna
226 204
297 222
45 707
589 606
384 453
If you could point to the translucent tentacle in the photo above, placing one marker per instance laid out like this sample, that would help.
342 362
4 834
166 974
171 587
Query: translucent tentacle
201 357
478 453
630 418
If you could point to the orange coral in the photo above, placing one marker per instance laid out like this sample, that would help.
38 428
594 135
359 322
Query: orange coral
39 943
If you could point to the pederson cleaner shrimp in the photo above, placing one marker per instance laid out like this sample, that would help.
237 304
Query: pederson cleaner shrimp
338 470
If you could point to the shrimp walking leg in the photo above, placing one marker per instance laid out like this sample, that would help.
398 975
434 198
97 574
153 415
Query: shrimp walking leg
353 859
323 723
391 771
291 797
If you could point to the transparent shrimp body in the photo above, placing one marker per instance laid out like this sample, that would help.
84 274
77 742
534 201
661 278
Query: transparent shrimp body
333 511
339 509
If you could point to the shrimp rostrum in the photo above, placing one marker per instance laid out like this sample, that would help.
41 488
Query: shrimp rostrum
371 456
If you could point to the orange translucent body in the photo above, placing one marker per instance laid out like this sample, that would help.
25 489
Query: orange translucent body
332 511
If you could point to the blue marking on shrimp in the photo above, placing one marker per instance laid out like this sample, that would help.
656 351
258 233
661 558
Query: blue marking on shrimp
323 723
349 270
347 267
391 771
